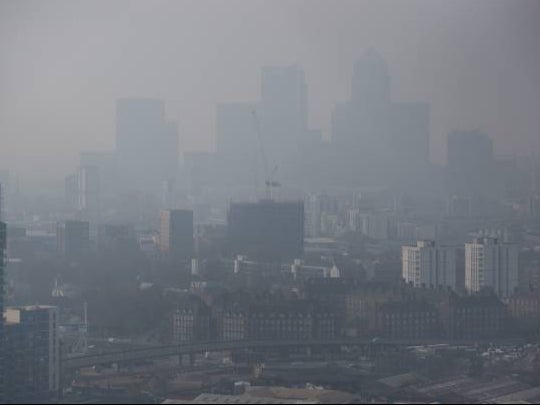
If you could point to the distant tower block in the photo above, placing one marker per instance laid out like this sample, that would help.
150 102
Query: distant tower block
176 235
493 264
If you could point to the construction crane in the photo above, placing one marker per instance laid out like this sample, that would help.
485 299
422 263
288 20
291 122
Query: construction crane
269 182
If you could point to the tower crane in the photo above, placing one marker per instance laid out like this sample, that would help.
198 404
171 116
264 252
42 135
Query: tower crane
270 183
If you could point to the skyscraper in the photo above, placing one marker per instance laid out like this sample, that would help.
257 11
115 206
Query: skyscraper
469 151
105 163
176 234
470 164
283 111
5 180
492 264
146 145
374 134
88 195
237 143
429 264
370 87
2 336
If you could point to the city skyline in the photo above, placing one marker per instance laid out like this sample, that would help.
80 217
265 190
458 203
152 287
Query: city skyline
256 201
495 59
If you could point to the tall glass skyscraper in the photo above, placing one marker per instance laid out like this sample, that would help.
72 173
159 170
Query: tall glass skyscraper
2 338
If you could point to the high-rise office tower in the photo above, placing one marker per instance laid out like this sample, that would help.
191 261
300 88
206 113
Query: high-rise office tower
470 163
374 134
363 121
146 145
71 192
370 87
2 336
429 264
88 195
5 180
469 151
105 164
283 111
267 230
73 239
237 143
1 203
32 354
409 134
492 264
176 234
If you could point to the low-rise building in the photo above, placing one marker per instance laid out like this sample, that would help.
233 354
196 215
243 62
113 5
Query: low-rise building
408 320
480 315
191 321
524 310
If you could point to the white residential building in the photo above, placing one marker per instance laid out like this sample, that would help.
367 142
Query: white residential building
428 264
491 263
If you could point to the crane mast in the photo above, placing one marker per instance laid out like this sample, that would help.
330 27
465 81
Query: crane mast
270 183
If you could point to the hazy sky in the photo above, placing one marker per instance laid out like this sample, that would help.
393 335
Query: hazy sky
64 63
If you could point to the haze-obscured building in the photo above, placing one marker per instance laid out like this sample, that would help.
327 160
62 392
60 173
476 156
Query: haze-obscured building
146 145
120 239
267 230
73 239
375 134
3 242
176 238
470 164
237 144
283 111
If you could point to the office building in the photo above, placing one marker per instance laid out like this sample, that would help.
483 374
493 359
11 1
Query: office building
176 239
283 111
32 356
119 239
429 264
267 230
237 142
491 264
73 239
375 134
6 191
105 164
88 192
470 164
3 238
146 145
71 192
236 131
469 151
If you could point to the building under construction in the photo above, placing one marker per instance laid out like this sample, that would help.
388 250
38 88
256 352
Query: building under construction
267 230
